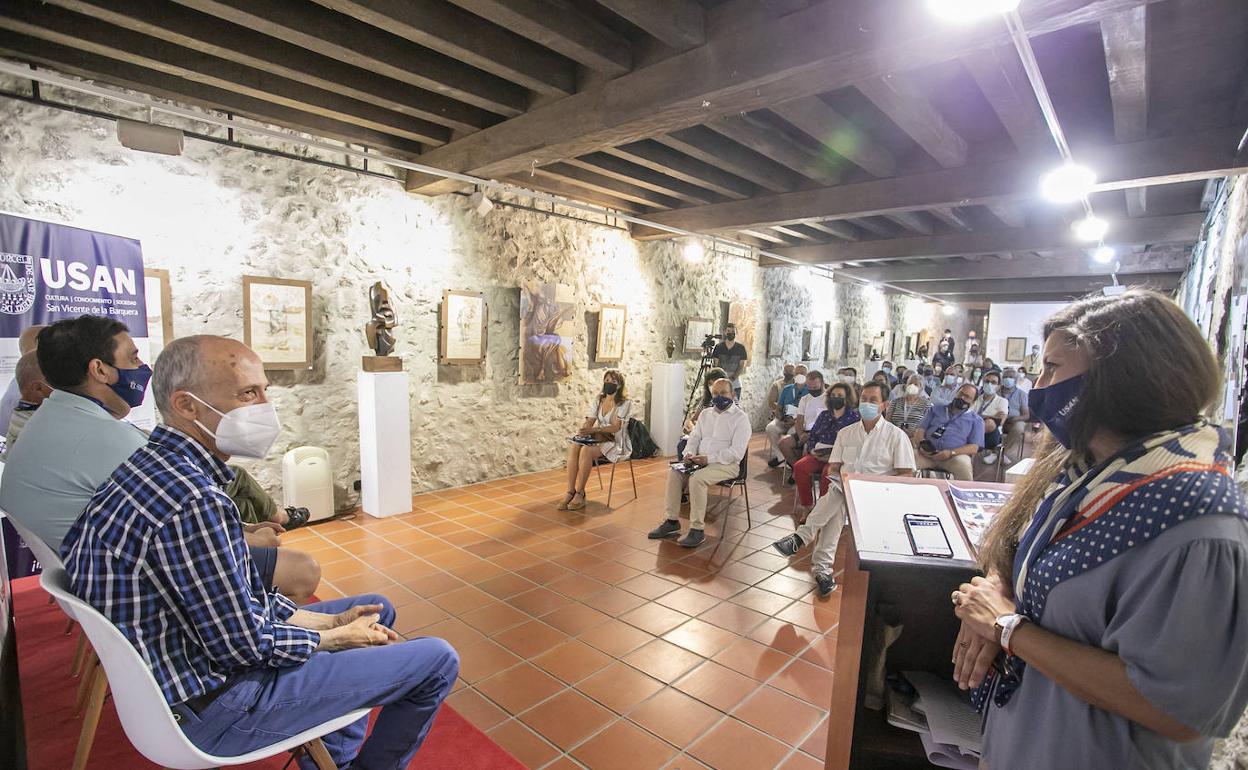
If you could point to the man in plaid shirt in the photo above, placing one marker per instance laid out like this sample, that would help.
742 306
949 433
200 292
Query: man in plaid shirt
159 550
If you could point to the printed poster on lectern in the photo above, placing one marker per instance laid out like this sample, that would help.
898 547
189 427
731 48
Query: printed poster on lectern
976 507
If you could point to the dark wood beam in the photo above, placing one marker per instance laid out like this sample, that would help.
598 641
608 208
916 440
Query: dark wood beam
882 228
1000 76
769 142
949 216
67 28
1190 157
1075 262
901 99
452 31
843 230
807 52
549 183
709 147
983 300
1180 228
1125 38
912 220
1010 213
1079 284
680 24
562 27
73 61
631 173
347 40
595 180
813 117
209 35
657 157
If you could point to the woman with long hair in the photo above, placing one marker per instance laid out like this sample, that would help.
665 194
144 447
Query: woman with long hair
604 434
1109 631
842 410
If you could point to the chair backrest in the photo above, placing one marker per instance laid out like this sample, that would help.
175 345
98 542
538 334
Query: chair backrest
141 706
48 558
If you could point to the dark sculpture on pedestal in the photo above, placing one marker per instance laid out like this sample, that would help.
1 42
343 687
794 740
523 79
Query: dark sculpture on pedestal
378 331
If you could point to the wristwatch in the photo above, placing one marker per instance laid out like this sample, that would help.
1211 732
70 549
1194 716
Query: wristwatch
1005 626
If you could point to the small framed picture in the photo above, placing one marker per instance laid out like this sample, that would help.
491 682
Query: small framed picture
464 319
775 339
610 343
696 330
159 300
277 321
1015 348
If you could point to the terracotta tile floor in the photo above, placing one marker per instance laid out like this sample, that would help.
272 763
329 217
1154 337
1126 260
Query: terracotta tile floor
585 645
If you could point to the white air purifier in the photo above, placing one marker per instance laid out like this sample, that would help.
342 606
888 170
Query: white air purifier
308 482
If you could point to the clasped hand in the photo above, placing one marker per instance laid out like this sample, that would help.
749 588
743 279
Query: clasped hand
980 603
697 459
357 626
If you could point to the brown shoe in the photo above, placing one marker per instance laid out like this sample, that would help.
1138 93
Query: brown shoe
577 502
563 506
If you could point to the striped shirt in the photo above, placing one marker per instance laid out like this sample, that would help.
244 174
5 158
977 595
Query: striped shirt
908 416
159 551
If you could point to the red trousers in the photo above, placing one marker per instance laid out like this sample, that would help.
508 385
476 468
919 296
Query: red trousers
803 470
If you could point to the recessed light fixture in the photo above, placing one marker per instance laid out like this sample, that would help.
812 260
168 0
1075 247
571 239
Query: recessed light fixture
948 309
1067 183
694 251
1103 254
966 11
1091 228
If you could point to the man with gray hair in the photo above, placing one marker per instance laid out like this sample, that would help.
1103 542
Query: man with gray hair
159 551
33 389
27 341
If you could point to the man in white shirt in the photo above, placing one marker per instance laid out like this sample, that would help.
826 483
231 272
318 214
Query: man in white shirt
1016 420
808 410
873 445
994 408
715 448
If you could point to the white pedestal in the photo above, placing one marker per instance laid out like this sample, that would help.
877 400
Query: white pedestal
667 404
385 443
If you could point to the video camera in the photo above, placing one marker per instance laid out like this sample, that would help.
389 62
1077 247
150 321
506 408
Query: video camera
708 344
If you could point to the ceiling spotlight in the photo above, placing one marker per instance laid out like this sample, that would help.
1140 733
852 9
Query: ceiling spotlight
1067 183
481 203
694 251
1090 228
1103 254
948 309
965 11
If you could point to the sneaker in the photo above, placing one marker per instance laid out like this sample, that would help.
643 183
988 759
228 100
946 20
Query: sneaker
790 480
788 546
990 458
296 517
774 462
1006 459
666 529
827 584
692 539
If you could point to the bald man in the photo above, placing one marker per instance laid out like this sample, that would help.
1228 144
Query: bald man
159 550
33 389
27 341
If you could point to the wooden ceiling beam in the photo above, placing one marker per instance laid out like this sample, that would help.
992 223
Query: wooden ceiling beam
901 99
74 30
709 147
950 217
331 34
843 230
871 225
74 61
1125 39
1000 76
460 35
680 24
1181 158
206 34
1179 228
555 185
1073 262
595 180
1079 284
657 157
912 220
562 27
771 143
813 117
807 52
624 171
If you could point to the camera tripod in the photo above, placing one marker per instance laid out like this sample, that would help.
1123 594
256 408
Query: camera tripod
707 363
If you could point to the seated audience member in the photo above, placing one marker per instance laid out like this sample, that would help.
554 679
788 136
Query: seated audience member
933 378
27 342
943 357
78 437
976 375
873 446
33 389
950 436
900 376
809 408
711 375
160 552
993 408
882 377
716 448
989 366
847 375
842 403
773 392
944 393
908 411
887 368
606 422
782 420
256 506
1016 418
1025 382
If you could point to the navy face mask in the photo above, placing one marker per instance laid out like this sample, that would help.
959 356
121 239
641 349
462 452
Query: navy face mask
722 402
1053 405
131 384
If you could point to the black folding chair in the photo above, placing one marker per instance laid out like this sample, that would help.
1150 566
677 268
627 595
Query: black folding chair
739 481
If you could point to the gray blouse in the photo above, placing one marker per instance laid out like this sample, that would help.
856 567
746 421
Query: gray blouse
1175 609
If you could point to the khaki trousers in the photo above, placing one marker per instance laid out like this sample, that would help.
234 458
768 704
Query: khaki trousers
958 465
775 431
823 528
699 482
1013 443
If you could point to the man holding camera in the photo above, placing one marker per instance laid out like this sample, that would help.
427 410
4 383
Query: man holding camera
951 435
732 357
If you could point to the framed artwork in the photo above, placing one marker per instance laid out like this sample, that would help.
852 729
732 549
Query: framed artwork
1015 348
464 317
743 314
159 301
696 330
816 348
775 339
610 343
838 340
277 321
546 333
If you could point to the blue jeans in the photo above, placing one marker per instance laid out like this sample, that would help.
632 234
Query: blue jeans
260 707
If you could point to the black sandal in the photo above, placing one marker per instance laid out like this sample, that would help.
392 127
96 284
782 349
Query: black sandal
296 517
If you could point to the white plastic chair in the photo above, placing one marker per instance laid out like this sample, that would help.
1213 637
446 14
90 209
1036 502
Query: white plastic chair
141 707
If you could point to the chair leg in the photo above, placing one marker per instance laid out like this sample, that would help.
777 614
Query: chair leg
611 486
320 755
745 490
633 474
90 669
91 719
80 654
598 468
69 626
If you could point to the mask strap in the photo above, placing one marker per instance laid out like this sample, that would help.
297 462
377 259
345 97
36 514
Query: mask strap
203 427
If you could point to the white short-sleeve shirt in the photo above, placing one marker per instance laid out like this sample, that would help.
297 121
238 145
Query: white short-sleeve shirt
876 452
810 407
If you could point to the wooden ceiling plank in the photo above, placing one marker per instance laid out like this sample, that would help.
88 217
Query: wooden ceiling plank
1010 213
200 32
1078 284
617 168
795 234
903 101
1179 228
84 64
1125 39
813 117
460 35
1189 157
1000 76
549 183
875 226
602 183
912 220
680 24
842 230
560 26
655 156
950 217
769 142
1072 262
330 34
709 147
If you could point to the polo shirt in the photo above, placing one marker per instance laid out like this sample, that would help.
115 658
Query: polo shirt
69 448
943 395
877 451
810 407
988 406
962 428
1016 397
789 396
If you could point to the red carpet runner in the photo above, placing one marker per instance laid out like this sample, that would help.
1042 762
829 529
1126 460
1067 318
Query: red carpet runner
45 656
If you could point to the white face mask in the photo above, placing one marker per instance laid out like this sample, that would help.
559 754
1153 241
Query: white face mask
912 390
248 431
799 379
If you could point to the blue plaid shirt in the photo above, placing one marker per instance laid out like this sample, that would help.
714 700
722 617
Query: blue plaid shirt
159 551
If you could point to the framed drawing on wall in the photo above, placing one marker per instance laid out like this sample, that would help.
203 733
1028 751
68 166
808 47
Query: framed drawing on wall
775 339
817 347
159 301
1015 348
696 330
277 321
463 317
546 332
610 343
